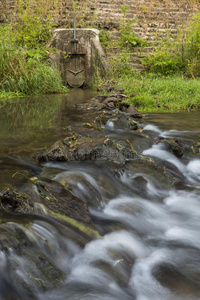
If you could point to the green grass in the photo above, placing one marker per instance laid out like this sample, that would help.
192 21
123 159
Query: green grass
24 70
153 93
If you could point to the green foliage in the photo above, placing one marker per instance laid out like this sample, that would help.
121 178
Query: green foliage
191 48
25 71
167 86
104 37
128 37
180 54
120 65
24 65
34 22
164 61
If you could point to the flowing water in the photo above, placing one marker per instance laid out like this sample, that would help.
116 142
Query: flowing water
149 248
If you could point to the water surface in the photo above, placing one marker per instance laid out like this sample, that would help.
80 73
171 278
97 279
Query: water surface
150 231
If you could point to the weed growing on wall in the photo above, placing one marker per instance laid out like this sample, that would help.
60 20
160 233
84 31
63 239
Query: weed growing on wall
191 48
104 37
180 54
128 38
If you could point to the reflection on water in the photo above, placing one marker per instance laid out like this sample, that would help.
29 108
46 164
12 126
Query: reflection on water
149 247
31 124
23 117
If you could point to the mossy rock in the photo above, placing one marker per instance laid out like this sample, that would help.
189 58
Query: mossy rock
84 148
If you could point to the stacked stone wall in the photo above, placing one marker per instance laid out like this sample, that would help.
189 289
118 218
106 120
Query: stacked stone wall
108 13
153 18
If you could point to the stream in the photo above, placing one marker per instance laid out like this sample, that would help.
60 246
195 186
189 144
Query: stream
146 213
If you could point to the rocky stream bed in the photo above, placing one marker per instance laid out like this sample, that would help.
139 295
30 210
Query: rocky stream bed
92 223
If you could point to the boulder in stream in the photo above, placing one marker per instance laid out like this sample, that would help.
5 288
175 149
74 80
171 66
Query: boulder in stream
83 148
146 176
178 147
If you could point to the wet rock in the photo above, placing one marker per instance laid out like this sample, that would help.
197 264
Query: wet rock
135 140
139 185
83 148
52 195
173 170
101 98
51 199
82 186
133 112
178 147
151 172
120 269
15 202
111 100
60 200
110 87
173 146
22 253
111 105
121 121
41 274
97 105
181 275
123 106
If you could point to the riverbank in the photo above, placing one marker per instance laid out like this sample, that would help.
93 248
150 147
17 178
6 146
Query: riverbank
25 68
151 93
170 68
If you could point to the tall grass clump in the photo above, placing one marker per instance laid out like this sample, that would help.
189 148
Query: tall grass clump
25 68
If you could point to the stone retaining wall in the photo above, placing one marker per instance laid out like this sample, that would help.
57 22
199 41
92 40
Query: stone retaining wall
151 14
153 18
